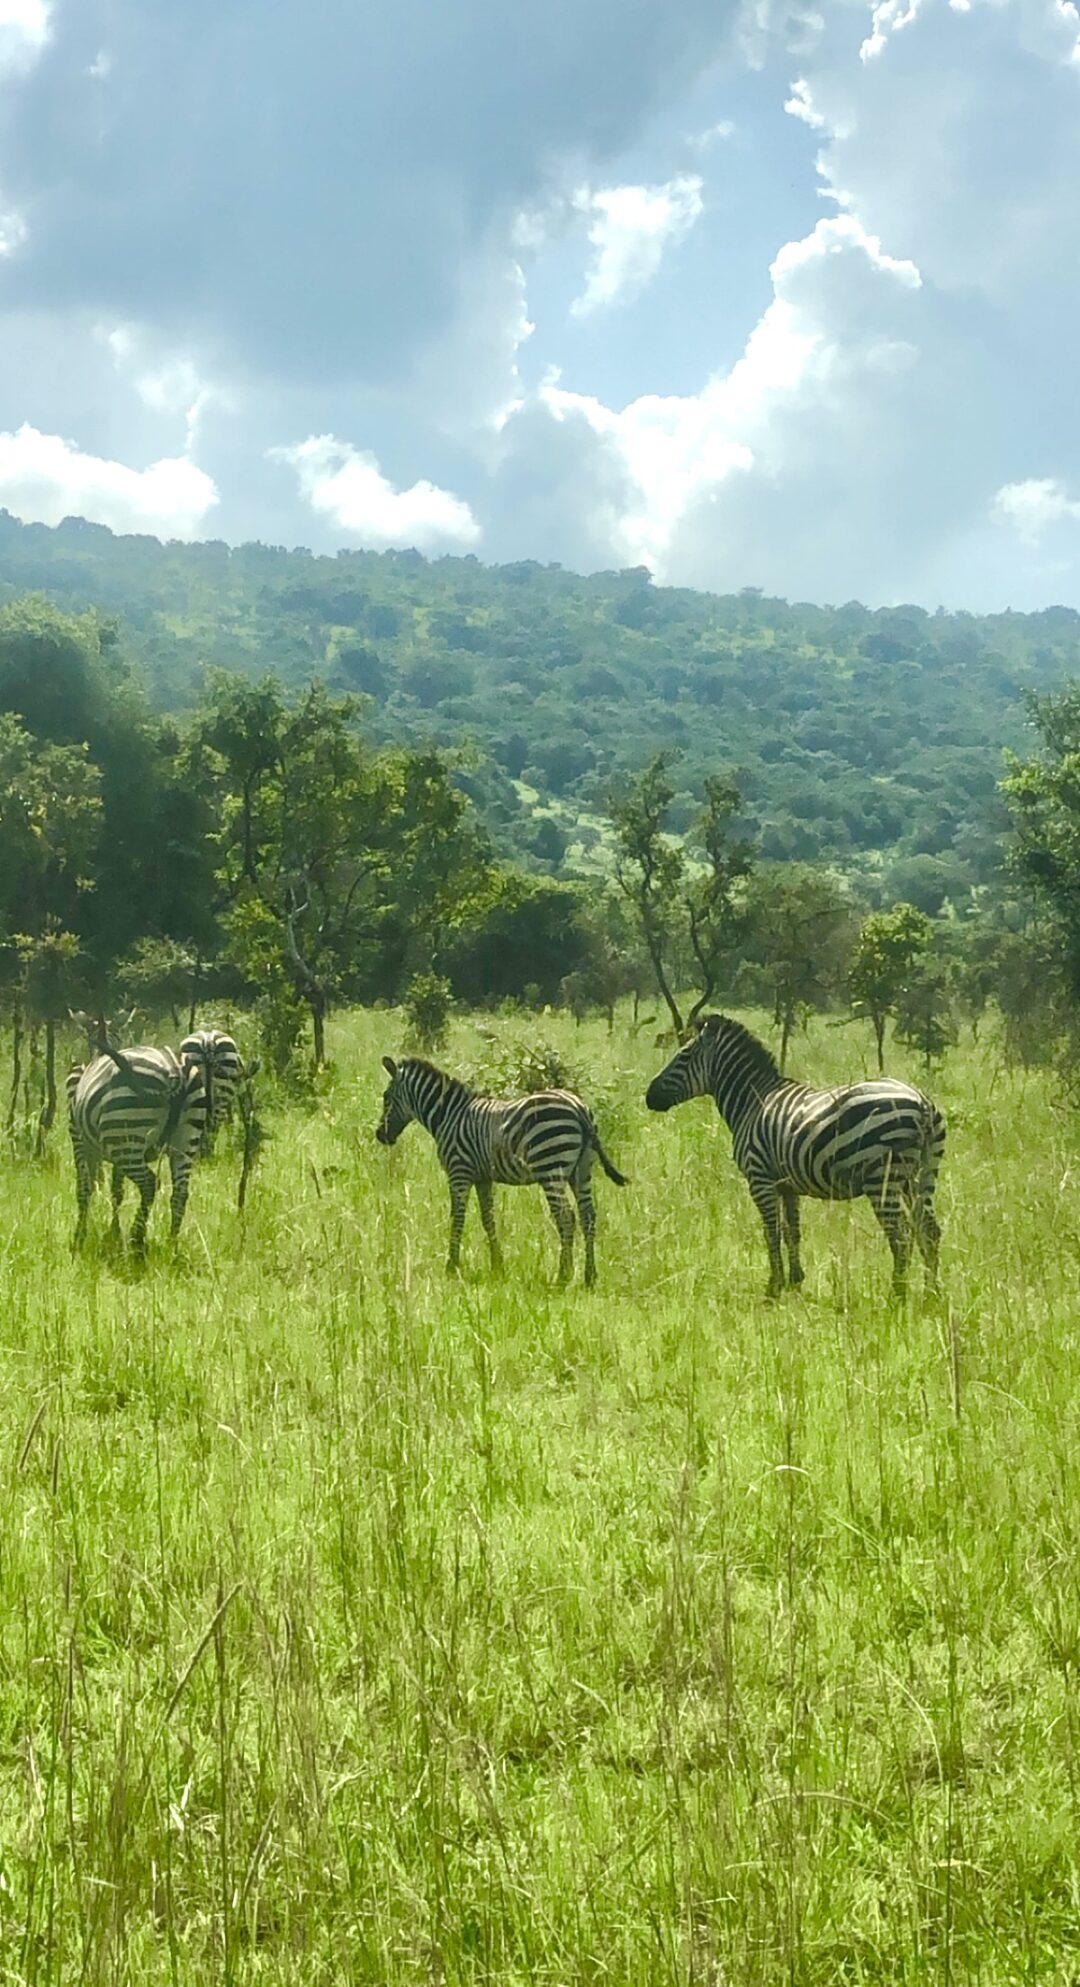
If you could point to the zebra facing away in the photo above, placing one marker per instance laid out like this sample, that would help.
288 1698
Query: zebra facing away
882 1139
545 1140
126 1108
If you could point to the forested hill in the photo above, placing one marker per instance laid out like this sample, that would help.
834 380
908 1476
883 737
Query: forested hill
856 735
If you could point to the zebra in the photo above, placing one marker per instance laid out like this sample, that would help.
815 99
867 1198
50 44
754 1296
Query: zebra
546 1140
127 1107
223 1072
882 1139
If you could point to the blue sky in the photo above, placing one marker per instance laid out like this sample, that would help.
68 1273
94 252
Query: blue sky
753 293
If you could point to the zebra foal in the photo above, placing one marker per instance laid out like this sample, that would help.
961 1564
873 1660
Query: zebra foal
881 1139
545 1140
128 1107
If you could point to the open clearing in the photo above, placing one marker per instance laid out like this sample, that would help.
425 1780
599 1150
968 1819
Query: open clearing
355 1625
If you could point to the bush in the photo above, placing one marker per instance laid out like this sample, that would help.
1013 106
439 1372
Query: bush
428 1005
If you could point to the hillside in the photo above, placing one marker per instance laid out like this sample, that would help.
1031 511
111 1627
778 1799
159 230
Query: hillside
858 736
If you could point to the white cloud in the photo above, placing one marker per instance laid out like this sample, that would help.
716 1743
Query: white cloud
629 228
826 356
346 485
44 479
1034 506
24 30
167 382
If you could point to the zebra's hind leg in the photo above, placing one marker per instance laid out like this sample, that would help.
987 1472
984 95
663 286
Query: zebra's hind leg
85 1182
766 1199
180 1178
117 1195
146 1182
562 1214
581 1186
790 1203
485 1194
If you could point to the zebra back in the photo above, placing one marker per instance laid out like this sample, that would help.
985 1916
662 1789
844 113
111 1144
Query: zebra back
215 1053
134 1109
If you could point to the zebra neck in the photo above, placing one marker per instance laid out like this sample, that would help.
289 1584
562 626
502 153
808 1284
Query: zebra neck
436 1112
739 1098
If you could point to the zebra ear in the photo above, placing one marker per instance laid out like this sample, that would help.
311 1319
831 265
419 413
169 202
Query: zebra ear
389 1065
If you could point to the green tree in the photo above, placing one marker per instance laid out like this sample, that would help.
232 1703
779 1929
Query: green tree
925 1011
715 907
889 945
800 929
649 868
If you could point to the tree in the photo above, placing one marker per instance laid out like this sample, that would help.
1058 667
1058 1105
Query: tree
716 913
800 930
649 868
1043 798
925 1018
888 946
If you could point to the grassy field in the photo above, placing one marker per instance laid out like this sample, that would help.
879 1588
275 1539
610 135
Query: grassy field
359 1626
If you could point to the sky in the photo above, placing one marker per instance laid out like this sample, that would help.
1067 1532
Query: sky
753 293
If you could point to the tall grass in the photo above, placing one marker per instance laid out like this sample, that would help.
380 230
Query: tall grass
357 1625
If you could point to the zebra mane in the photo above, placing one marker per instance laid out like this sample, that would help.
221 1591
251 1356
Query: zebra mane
422 1067
756 1060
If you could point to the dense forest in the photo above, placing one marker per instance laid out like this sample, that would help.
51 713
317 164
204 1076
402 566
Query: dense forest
856 737
233 777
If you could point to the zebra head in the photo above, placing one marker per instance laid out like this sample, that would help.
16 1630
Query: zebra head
722 1060
689 1073
397 1108
222 1068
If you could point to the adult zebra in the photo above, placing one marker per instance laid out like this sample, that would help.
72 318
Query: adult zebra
223 1072
545 1140
882 1139
128 1107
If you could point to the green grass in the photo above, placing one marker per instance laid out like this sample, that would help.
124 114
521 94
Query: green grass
355 1625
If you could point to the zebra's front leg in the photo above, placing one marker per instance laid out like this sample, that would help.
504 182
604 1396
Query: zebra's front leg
562 1214
928 1236
766 1199
790 1201
146 1182
459 1201
895 1218
485 1194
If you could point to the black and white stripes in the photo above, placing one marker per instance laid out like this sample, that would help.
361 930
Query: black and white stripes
128 1108
546 1140
880 1139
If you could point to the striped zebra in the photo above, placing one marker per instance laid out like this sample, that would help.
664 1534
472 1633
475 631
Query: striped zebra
881 1139
223 1072
545 1140
128 1107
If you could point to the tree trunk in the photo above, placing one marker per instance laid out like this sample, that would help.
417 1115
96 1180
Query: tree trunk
16 1066
787 1026
657 958
47 1115
879 1037
317 1003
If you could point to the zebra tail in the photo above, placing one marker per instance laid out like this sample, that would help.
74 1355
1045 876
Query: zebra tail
612 1172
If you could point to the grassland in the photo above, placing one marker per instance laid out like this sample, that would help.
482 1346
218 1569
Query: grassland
358 1626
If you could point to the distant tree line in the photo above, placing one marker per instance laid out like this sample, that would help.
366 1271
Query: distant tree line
265 849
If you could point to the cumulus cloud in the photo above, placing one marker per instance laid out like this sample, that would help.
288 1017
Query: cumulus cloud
346 486
24 28
630 227
353 162
44 479
1035 506
829 353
